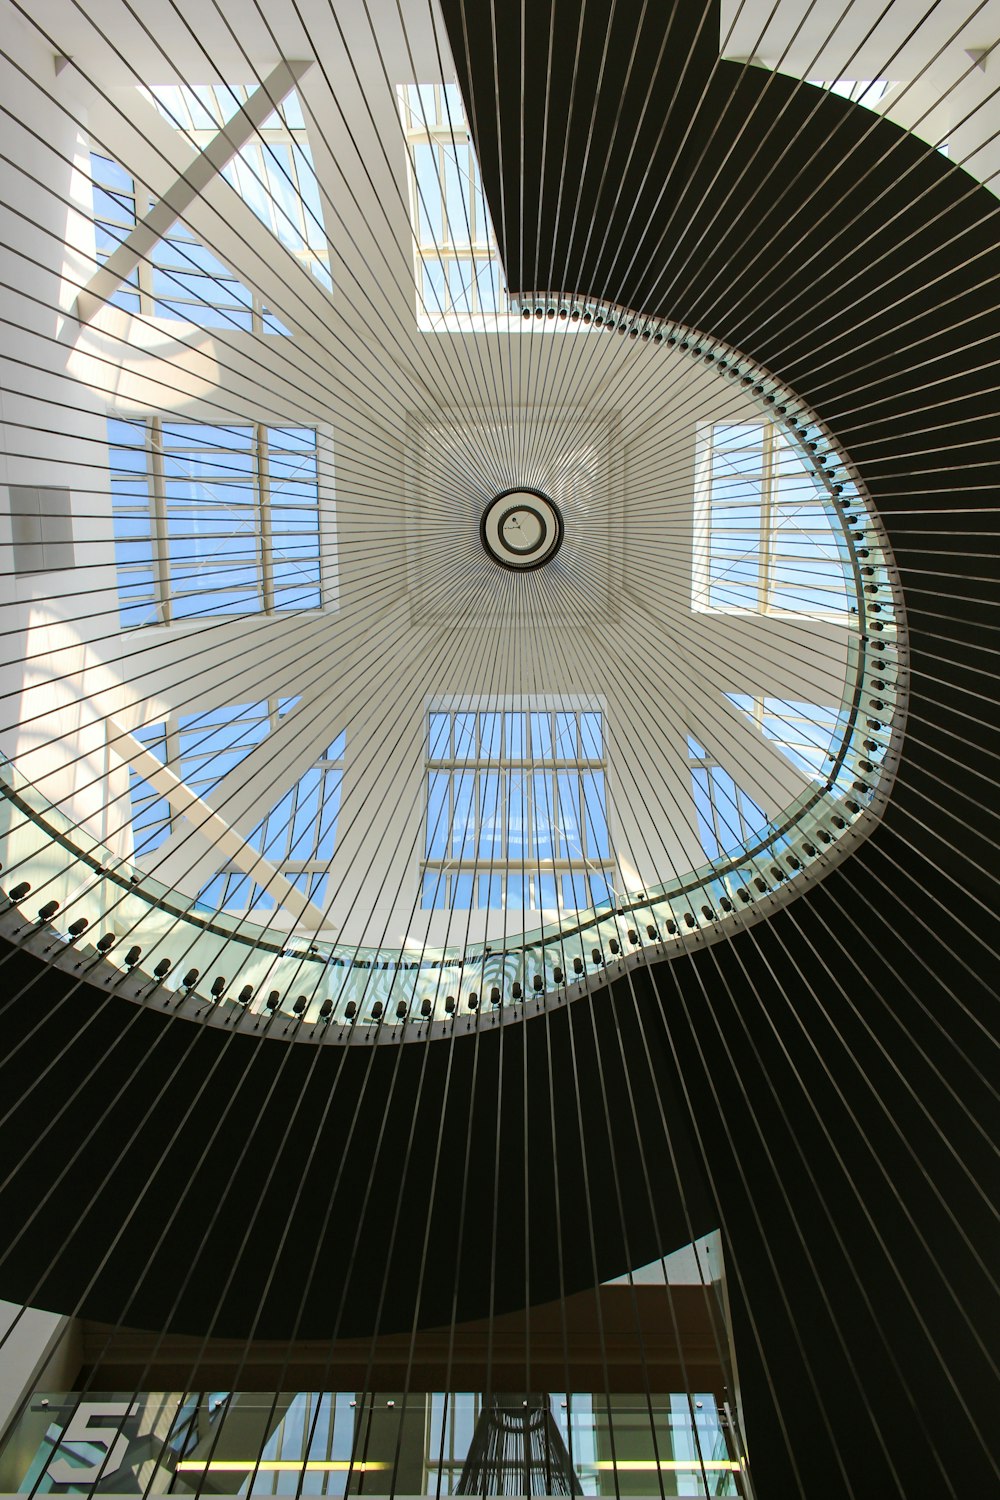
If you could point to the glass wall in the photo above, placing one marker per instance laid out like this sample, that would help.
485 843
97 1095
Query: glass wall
338 1443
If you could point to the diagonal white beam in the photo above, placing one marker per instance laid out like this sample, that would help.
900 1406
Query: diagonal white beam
228 845
192 182
753 761
655 811
262 777
127 126
799 657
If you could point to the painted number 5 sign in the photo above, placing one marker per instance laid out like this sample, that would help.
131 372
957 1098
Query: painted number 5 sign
82 1428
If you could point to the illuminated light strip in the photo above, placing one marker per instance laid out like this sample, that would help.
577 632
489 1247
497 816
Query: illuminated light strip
274 1465
642 1465
341 1465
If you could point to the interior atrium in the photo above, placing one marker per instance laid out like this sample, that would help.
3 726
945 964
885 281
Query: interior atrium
498 748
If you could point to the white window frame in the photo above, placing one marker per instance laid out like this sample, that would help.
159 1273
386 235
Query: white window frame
193 766
795 734
728 838
157 482
200 723
143 287
215 105
292 869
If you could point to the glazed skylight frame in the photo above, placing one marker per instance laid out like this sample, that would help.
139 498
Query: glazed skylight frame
786 547
500 742
802 843
727 822
281 832
200 748
806 733
147 501
274 173
181 280
297 834
433 118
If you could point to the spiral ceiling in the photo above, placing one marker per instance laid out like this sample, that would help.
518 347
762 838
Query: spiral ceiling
499 716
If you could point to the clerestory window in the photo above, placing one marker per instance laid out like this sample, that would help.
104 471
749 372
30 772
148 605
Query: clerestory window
516 811
201 748
765 539
297 834
807 733
458 268
214 520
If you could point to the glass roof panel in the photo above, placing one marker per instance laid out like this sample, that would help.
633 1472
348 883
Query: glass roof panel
274 173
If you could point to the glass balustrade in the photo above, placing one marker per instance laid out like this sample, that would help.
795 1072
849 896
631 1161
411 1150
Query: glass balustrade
40 846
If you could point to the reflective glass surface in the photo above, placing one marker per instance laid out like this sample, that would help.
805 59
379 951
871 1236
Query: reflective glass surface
339 1443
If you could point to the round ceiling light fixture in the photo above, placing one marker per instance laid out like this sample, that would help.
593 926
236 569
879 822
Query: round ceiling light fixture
521 529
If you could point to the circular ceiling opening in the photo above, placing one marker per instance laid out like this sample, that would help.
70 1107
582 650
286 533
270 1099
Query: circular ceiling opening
521 529
375 811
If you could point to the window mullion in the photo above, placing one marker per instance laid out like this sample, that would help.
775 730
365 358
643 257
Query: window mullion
583 813
449 837
527 796
503 810
530 815
161 542
713 809
172 759
767 542
144 270
263 483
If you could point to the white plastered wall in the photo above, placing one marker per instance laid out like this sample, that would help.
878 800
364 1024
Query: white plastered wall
59 647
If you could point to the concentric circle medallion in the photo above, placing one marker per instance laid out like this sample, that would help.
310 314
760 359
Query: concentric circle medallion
521 529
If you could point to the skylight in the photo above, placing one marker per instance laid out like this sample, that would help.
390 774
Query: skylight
181 279
211 520
765 536
516 811
201 748
728 817
298 832
458 268
807 733
274 174
298 835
